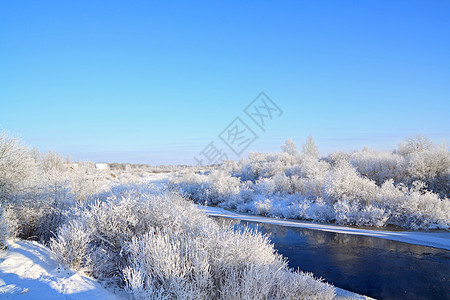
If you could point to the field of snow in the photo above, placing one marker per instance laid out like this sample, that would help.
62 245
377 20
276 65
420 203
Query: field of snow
28 270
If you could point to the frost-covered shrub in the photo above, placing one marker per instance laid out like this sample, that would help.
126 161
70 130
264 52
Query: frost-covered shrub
359 214
415 207
365 187
216 187
86 181
379 166
159 246
194 186
345 184
222 186
72 244
431 167
337 157
164 265
308 177
309 167
123 214
45 188
3 228
427 162
36 215
261 165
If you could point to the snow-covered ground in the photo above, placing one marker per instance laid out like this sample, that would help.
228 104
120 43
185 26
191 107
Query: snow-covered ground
437 239
28 271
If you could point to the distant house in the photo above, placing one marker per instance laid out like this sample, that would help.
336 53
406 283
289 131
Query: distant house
101 166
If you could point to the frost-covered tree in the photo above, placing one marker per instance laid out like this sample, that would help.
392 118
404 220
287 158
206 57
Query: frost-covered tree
415 144
290 147
309 147
68 159
17 166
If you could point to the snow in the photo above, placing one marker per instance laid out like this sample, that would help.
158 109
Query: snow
436 239
156 179
342 294
29 271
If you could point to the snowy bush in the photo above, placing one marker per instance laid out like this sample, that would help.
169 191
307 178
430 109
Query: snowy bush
159 246
431 167
217 186
426 162
415 207
71 244
194 186
379 166
408 188
35 217
3 228
345 184
114 220
224 264
45 188
162 265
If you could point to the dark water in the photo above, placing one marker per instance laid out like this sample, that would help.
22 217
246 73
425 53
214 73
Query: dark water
370 266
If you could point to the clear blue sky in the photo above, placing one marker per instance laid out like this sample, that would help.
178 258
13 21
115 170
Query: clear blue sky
155 82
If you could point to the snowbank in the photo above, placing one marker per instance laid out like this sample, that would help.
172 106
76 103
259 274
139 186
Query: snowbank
28 271
437 239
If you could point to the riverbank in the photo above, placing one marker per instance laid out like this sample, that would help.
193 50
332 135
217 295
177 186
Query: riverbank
436 238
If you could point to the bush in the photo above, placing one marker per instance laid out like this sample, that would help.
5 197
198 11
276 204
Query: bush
72 244
39 207
3 229
379 166
433 168
409 189
159 246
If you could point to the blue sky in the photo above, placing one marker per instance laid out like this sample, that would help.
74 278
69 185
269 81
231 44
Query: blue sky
155 82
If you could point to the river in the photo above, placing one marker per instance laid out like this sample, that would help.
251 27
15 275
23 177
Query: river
379 268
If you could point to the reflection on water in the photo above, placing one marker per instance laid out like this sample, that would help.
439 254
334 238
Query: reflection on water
371 266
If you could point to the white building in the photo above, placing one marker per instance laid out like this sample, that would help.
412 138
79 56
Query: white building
101 166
